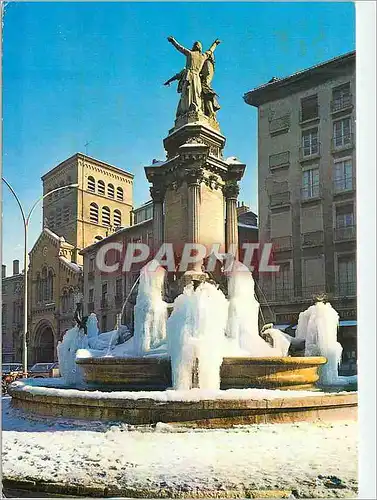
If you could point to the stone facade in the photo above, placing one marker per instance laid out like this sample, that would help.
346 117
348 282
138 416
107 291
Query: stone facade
54 279
307 198
101 203
73 218
12 318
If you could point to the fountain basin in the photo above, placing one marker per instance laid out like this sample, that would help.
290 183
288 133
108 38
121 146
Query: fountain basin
194 408
237 373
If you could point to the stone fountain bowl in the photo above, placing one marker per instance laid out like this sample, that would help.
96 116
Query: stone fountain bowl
299 373
235 373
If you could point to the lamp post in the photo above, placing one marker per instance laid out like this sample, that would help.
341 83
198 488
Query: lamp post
26 220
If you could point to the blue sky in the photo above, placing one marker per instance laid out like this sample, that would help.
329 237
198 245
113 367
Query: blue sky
78 72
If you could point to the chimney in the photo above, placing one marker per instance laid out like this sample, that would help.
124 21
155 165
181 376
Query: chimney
16 267
3 271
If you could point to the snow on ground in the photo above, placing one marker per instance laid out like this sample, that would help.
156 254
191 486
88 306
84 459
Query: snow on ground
316 460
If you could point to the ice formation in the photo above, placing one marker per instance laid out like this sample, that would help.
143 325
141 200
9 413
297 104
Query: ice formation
150 309
73 340
242 325
196 330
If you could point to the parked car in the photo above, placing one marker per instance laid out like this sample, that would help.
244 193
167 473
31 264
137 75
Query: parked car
44 370
9 373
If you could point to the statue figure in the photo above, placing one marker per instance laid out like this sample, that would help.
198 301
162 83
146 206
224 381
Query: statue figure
190 79
210 102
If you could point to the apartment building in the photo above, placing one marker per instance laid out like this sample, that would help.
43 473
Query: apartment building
307 197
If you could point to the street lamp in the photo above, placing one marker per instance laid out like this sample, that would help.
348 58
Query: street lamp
26 220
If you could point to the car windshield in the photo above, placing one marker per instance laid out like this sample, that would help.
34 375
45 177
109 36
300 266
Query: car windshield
41 367
8 367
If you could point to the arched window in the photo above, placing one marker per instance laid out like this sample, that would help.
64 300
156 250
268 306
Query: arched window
106 216
117 218
58 216
101 187
91 184
50 285
65 301
119 194
93 213
44 284
110 191
39 288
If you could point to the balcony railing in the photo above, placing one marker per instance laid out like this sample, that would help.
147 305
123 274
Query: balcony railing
312 239
288 294
347 289
343 141
278 199
344 184
341 103
282 243
345 233
309 152
310 191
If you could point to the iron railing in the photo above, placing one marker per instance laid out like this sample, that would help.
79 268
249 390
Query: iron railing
310 151
344 184
310 191
345 233
341 103
342 141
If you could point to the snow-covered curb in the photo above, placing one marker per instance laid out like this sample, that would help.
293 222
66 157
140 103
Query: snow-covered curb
56 387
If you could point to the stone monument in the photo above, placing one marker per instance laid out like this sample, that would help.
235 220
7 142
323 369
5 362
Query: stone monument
195 186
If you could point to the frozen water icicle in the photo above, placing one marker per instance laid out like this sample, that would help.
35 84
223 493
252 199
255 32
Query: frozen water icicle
150 309
242 326
73 340
196 330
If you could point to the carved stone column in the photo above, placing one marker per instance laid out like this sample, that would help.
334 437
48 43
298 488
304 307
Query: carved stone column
231 191
194 178
157 195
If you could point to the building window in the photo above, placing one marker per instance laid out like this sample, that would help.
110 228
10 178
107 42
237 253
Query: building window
310 144
93 213
110 191
310 183
343 178
282 281
341 97
91 184
342 133
309 108
119 288
3 318
347 275
44 284
50 286
345 228
101 188
117 218
106 216
58 216
104 324
91 264
66 214
91 294
104 291
119 194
